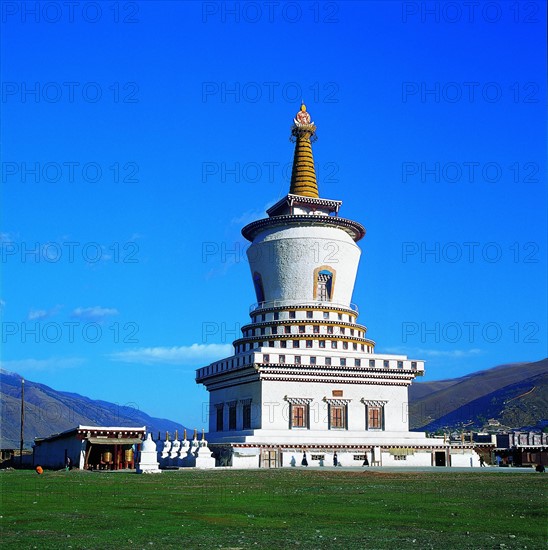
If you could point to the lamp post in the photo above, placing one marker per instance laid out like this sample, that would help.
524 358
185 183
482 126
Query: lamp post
22 422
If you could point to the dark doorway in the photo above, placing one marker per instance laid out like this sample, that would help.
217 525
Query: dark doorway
440 458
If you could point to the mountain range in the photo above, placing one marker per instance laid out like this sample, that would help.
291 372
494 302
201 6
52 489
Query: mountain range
48 411
511 396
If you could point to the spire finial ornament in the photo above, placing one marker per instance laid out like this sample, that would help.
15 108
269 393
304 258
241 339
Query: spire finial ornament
303 175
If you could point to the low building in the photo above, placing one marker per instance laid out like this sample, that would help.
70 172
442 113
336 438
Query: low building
90 448
6 454
522 448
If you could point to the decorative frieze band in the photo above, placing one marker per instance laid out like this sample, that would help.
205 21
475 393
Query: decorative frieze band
373 402
337 401
299 400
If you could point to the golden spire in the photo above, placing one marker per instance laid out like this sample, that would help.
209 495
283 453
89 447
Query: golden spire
303 175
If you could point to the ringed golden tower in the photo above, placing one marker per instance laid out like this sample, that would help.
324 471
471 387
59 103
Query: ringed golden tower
303 174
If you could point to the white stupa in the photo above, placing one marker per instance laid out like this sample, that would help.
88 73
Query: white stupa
174 451
163 449
204 458
304 375
148 463
183 450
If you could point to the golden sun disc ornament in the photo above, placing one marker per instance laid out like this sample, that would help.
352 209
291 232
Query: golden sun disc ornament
302 117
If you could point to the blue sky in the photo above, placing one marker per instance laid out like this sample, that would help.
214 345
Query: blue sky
137 141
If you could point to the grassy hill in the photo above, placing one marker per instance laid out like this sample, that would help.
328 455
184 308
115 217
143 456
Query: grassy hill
515 394
48 411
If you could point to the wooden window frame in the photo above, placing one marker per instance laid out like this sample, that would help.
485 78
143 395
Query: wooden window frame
299 417
246 417
338 417
219 421
375 418
232 417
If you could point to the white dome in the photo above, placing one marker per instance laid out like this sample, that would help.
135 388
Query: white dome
148 445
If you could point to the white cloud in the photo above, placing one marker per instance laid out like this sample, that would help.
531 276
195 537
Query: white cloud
7 238
196 354
53 363
452 353
233 252
37 314
94 314
425 352
252 215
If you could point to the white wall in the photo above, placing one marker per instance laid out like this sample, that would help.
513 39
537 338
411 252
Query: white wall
466 459
245 458
51 454
418 458
286 259
276 408
251 390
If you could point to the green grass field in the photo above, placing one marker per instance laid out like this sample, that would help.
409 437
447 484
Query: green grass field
290 508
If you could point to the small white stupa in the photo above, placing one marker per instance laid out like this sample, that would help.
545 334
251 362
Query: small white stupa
189 459
165 447
204 458
183 449
148 463
174 451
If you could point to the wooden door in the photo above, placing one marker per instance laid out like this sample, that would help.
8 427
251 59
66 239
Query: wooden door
269 459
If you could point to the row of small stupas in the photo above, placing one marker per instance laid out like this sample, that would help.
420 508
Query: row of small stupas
157 455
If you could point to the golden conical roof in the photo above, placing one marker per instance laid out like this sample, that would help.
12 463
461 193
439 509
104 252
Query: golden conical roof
303 174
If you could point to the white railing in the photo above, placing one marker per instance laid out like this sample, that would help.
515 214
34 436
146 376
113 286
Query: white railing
292 303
